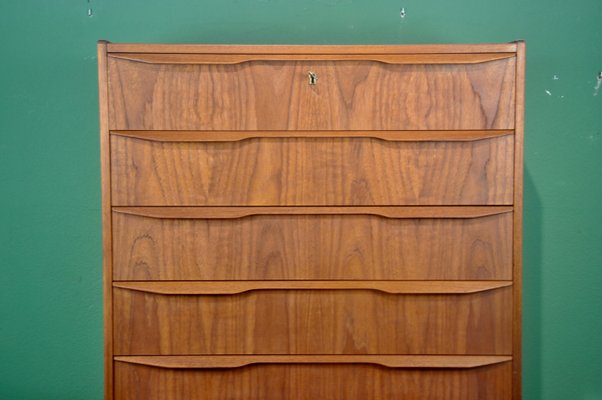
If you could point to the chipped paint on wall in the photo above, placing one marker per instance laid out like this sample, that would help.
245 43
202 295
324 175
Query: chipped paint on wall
598 83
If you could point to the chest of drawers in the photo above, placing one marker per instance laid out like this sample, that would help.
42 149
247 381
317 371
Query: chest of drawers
312 222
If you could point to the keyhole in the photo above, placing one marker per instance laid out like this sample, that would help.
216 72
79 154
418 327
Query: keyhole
313 78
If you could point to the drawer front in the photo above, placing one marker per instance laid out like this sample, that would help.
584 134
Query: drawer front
311 382
231 244
311 171
275 95
311 321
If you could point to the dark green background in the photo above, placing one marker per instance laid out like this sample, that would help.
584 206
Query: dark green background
50 292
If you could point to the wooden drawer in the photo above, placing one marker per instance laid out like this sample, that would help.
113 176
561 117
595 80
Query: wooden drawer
257 243
400 92
312 317
311 378
155 169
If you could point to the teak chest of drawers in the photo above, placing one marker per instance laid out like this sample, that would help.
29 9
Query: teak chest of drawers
312 222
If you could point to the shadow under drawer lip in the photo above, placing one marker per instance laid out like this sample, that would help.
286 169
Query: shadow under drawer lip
234 212
390 361
234 136
236 287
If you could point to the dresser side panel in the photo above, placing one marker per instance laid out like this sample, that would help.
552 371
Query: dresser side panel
107 263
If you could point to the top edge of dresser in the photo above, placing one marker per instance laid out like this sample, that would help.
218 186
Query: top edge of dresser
310 48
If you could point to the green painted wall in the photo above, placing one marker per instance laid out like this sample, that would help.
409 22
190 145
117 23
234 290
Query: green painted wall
50 269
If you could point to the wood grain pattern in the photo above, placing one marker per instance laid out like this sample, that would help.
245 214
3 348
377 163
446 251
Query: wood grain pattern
233 136
517 274
384 360
311 382
275 95
237 287
315 171
314 247
171 58
313 321
311 48
107 259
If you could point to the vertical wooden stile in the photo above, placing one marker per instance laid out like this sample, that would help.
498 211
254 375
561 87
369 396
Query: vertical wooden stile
105 166
518 220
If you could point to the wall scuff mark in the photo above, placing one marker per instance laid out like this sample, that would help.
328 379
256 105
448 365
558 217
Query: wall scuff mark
90 13
598 83
402 12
